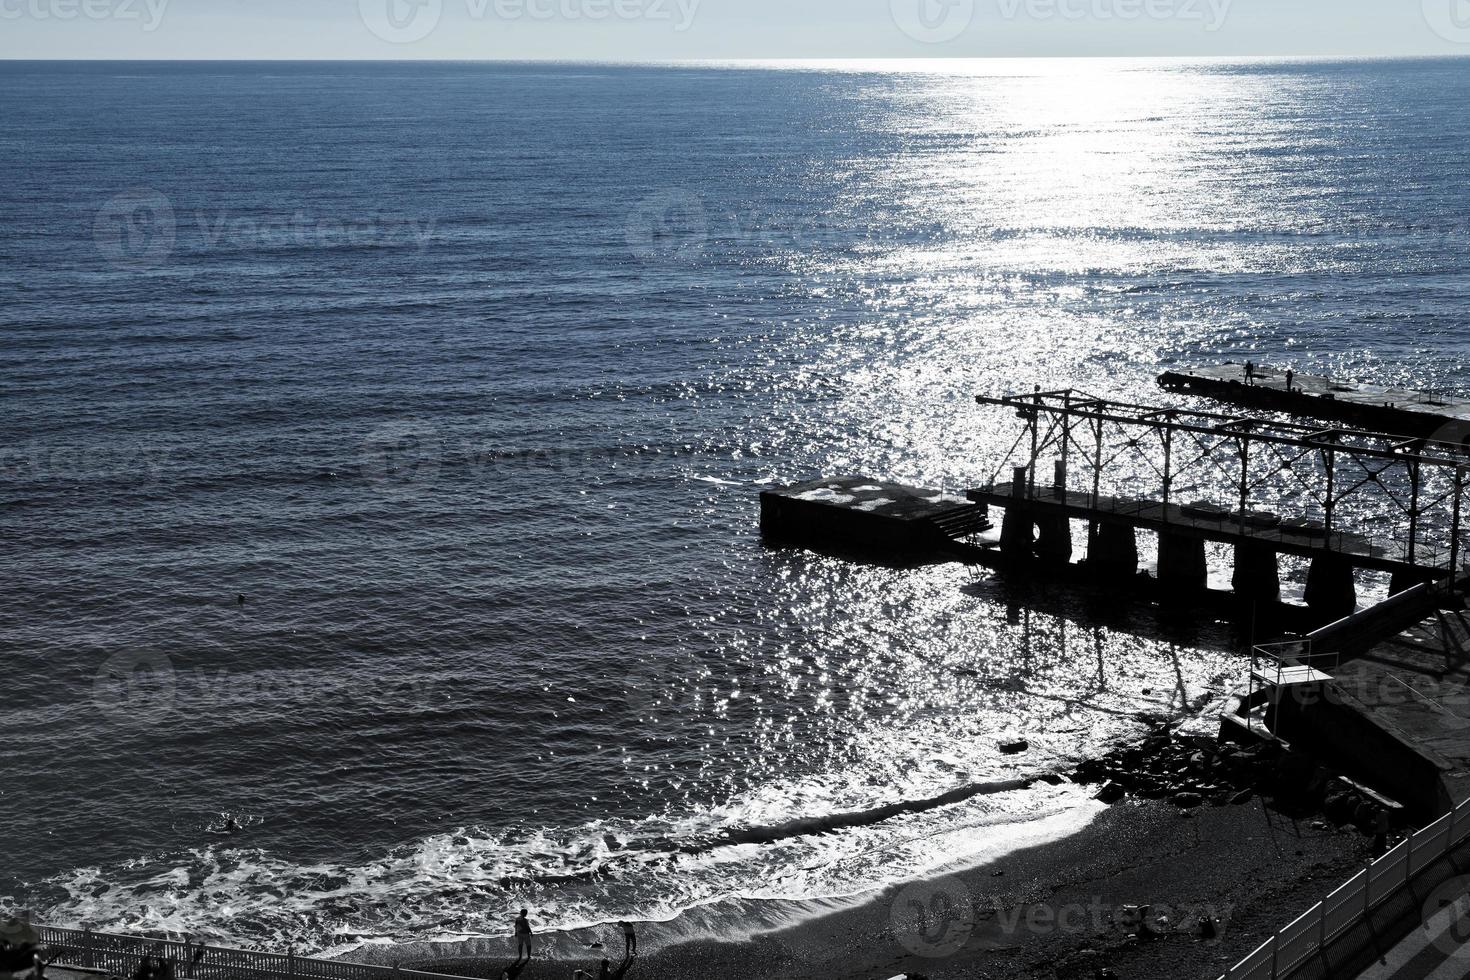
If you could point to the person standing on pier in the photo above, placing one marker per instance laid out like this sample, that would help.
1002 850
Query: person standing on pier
523 935
1290 377
1250 372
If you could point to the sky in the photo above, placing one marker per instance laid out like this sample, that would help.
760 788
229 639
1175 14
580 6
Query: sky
637 30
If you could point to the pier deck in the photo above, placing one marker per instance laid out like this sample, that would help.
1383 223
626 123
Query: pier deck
1289 537
860 514
1382 407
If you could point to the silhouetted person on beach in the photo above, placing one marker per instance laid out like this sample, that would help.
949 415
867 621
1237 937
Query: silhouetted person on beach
1250 372
523 935
1290 377
630 939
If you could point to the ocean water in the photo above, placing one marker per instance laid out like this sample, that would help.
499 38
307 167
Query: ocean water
466 378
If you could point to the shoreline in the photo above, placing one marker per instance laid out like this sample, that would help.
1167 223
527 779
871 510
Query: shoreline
1058 909
1213 870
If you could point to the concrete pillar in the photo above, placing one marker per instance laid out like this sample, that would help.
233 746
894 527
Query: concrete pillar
1114 553
1054 542
1017 534
1331 592
1182 565
1017 531
1256 575
1404 581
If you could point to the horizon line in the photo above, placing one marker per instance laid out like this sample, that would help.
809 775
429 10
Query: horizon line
754 59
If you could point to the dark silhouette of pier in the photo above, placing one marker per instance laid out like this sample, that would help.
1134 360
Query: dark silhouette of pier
1372 406
1342 499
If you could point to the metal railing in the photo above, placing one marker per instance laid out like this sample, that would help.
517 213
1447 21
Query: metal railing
1283 658
121 956
1310 935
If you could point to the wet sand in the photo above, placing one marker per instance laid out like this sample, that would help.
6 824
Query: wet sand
1053 911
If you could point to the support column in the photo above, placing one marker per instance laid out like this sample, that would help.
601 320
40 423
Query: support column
1182 567
1331 591
1406 580
1017 530
1054 540
1256 575
1017 534
1114 553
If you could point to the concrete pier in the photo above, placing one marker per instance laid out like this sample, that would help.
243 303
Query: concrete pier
1394 709
895 523
1388 409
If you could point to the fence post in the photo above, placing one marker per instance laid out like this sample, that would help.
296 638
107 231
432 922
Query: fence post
1322 932
87 956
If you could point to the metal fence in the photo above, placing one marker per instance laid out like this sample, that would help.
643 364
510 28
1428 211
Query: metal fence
1304 947
122 955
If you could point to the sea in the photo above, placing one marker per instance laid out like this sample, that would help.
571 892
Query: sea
382 450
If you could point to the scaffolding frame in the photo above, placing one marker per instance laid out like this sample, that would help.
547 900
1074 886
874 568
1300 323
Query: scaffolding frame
1338 476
